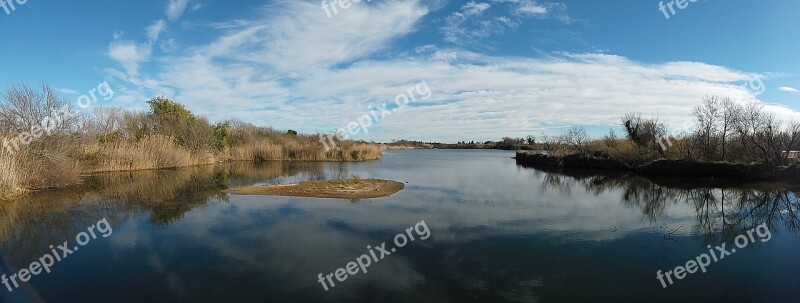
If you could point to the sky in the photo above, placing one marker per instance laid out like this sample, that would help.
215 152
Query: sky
494 68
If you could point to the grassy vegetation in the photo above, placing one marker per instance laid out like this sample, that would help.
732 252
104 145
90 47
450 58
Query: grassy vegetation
9 178
112 139
725 135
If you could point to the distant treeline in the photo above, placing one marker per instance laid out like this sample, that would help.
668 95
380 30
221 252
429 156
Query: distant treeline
47 142
506 143
722 132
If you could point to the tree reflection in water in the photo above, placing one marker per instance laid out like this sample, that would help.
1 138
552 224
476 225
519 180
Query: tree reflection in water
723 209
47 217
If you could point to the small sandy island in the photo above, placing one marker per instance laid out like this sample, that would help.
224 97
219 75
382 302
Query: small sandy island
342 189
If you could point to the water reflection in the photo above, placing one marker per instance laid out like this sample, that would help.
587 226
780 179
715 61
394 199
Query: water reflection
721 208
500 233
165 195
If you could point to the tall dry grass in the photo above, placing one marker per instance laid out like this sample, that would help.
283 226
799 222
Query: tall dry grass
151 152
108 140
355 152
36 167
302 151
11 183
256 151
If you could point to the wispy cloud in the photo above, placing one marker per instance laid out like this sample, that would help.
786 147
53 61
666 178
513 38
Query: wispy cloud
788 89
67 91
534 7
155 30
131 54
474 21
175 9
466 24
293 70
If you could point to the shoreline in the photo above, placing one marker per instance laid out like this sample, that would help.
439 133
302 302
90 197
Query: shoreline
666 170
352 189
10 194
221 162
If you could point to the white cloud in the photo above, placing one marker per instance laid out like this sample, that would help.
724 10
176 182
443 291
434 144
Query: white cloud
474 9
155 30
466 24
129 55
175 9
67 91
305 71
297 36
531 7
472 23
789 90
534 7
168 45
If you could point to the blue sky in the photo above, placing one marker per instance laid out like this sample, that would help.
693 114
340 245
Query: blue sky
495 67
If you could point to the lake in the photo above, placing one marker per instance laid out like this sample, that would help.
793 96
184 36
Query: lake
496 232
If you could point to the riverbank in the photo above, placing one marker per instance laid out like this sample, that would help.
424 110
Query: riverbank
160 153
340 189
21 173
113 139
668 169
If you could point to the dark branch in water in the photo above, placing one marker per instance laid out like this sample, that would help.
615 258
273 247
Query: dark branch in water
668 236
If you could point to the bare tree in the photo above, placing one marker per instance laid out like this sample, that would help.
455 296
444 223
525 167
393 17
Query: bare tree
107 120
763 131
531 140
611 139
707 115
549 143
715 118
25 108
40 115
648 134
136 125
577 139
730 112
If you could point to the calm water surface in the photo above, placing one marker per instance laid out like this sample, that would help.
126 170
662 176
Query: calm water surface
498 233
